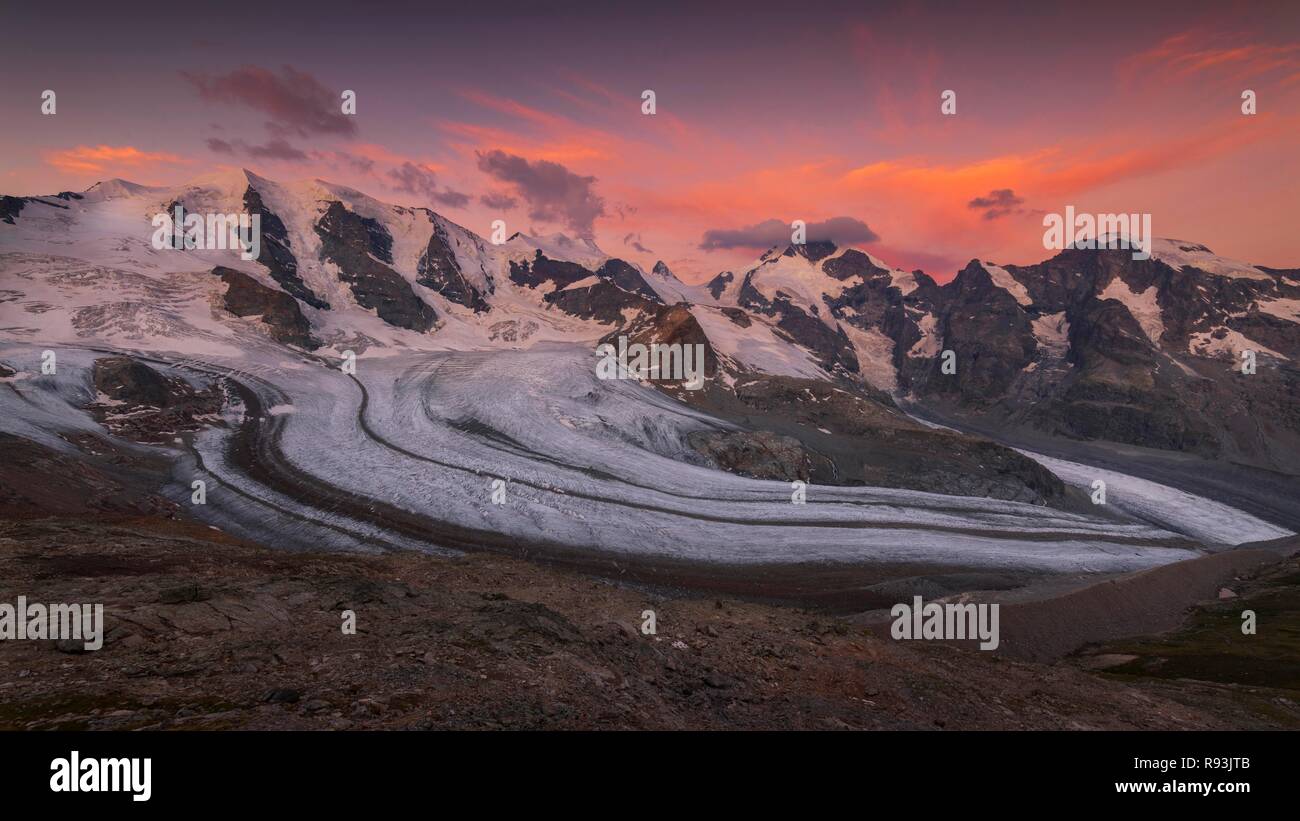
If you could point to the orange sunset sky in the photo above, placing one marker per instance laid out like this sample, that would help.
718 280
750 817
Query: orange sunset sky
764 112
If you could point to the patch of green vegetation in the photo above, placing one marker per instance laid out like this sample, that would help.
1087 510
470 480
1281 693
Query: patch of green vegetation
1211 646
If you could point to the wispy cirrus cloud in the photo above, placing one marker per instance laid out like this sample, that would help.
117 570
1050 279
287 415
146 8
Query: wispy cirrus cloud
1211 54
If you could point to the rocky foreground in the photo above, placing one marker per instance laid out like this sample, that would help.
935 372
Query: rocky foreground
203 632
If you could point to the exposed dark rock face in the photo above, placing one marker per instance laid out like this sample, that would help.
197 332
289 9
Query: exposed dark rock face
856 436
738 317
246 296
870 300
275 253
628 278
146 406
832 347
438 269
668 325
812 251
11 207
602 301
760 454
719 283
990 334
852 263
381 242
123 379
542 269
662 271
616 287
1120 377
6 372
356 245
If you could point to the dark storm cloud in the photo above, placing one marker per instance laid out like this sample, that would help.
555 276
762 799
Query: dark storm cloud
553 192
765 234
496 199
296 102
414 179
997 203
363 165
276 149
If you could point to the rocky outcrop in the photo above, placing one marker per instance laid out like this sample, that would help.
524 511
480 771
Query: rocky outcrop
627 278
137 402
541 270
600 300
439 270
275 253
125 380
1151 357
668 325
360 247
719 283
812 251
11 207
281 314
760 454
609 294
990 334
852 435
829 344
852 264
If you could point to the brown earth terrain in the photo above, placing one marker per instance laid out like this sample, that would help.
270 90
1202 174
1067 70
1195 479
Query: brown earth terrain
205 632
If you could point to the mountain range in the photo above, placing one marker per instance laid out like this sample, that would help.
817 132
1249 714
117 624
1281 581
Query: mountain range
823 363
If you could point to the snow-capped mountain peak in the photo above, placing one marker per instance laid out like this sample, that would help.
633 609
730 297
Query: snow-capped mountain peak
557 246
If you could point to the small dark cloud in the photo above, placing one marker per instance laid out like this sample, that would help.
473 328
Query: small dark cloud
276 149
499 200
553 192
765 234
634 241
453 199
296 102
362 165
420 181
997 203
